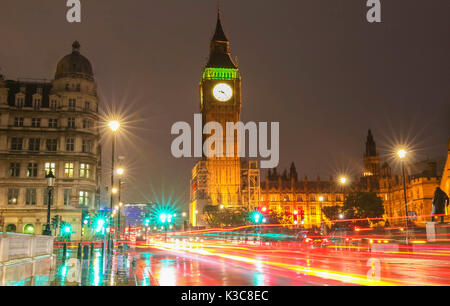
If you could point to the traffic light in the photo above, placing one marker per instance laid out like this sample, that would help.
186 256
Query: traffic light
295 214
146 221
67 229
256 217
302 215
165 218
100 224
55 222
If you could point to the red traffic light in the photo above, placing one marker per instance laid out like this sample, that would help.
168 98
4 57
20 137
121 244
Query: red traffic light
295 212
264 209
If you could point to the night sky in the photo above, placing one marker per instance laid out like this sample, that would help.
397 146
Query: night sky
316 66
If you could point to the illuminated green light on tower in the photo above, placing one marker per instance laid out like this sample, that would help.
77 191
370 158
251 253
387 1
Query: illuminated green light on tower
221 74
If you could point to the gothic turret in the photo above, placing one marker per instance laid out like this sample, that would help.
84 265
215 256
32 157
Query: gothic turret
220 56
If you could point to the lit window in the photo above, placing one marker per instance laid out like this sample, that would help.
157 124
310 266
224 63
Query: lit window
50 166
85 170
68 170
83 199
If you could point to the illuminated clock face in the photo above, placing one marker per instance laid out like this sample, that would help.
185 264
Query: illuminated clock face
222 92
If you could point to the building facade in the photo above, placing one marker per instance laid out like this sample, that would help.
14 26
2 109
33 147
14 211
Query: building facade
224 180
421 179
50 126
445 182
285 193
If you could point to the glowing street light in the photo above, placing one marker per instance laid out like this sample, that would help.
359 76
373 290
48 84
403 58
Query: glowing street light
114 190
343 180
114 125
221 206
120 171
401 153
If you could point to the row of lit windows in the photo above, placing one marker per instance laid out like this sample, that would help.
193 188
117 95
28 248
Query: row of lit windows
31 196
51 144
301 198
32 169
313 210
52 123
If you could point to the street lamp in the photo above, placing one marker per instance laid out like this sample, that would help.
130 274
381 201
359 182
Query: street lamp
320 201
114 125
50 184
343 181
402 154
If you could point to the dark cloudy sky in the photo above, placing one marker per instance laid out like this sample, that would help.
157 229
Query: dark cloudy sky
316 66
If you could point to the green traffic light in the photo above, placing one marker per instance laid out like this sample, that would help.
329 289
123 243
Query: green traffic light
257 217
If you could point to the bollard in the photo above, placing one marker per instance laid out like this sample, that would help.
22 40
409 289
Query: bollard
79 251
92 250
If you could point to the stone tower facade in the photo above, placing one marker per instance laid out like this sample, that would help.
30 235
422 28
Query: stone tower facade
224 180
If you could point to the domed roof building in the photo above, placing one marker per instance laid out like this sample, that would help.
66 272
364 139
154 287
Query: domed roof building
54 127
74 65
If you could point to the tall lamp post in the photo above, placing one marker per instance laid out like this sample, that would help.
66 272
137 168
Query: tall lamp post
321 201
114 125
50 183
343 182
401 154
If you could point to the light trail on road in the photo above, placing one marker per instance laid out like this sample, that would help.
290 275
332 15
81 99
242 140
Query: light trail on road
415 265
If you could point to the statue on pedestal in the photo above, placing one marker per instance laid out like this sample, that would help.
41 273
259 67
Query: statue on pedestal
440 202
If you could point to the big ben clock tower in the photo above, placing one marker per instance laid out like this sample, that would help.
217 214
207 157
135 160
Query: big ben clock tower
217 180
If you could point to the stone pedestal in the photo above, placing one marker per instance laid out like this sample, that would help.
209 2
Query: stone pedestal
436 230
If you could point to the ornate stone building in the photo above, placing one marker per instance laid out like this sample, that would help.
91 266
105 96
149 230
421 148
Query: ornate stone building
421 180
50 126
285 193
227 181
